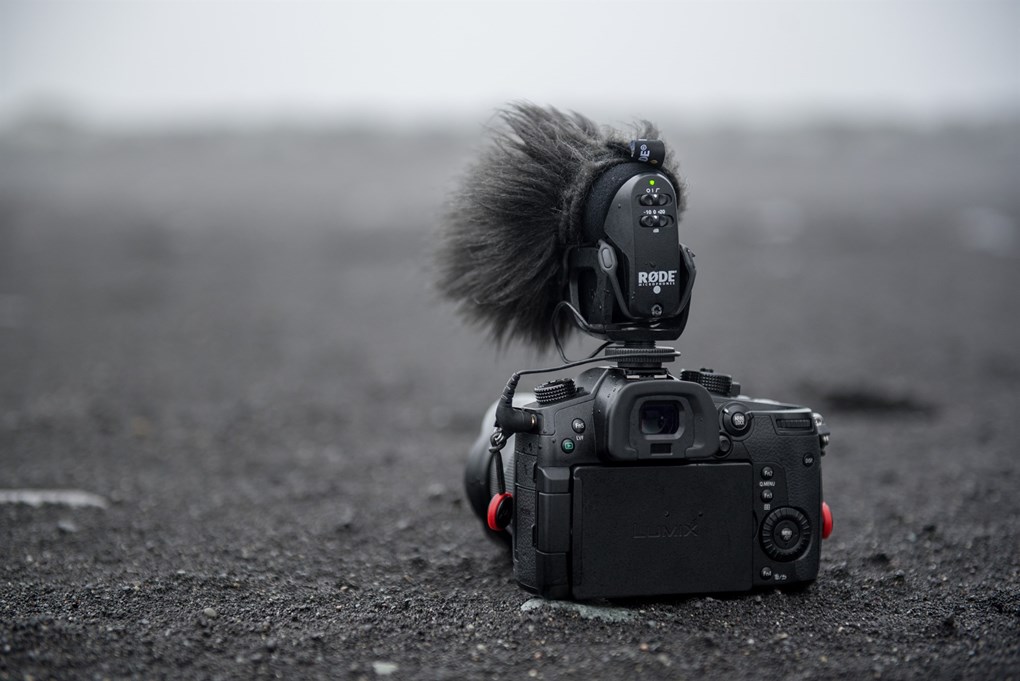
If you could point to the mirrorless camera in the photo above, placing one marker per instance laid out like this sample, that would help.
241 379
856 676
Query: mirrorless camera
638 486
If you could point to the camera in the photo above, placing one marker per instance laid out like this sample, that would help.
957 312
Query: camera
627 480
641 486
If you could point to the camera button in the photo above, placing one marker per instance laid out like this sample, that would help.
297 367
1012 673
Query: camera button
766 495
736 420
649 221
567 445
647 200
787 534
767 473
766 572
578 425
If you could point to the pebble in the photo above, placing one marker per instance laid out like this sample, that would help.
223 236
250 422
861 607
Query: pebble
211 613
384 668
584 610
66 526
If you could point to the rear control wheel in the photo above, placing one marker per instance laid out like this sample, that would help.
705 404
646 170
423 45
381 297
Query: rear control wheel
785 534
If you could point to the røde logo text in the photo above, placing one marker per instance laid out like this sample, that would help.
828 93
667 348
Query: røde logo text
656 278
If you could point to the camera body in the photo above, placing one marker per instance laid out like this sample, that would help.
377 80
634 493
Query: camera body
636 486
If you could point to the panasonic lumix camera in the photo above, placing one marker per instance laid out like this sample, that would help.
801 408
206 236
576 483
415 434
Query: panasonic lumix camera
637 486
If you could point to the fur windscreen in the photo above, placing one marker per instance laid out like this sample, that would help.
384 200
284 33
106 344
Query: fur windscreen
516 210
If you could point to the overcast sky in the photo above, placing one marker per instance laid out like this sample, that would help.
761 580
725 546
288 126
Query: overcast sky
148 61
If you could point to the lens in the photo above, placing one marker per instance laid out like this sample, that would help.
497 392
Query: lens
659 418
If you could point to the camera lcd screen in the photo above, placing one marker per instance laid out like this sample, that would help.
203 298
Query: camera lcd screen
645 530
660 418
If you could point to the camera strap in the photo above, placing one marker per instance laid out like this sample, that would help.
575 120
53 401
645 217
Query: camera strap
501 506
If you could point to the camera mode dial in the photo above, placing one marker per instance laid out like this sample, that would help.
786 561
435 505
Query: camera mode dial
720 384
554 391
785 534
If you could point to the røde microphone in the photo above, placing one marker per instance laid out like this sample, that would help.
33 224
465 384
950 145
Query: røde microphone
557 213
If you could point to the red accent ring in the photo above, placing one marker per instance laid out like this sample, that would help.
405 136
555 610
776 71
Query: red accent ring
494 504
826 521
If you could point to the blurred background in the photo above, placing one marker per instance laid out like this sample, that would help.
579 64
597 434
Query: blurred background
140 137
216 221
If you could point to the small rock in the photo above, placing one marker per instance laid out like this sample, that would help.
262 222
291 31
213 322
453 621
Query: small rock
584 610
345 521
66 527
211 613
880 558
384 668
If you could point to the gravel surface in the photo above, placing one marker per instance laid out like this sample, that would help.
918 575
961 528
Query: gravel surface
233 415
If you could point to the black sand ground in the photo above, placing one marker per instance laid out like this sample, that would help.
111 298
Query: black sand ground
231 339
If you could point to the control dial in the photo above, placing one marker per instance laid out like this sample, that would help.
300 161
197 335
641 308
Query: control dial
785 534
554 391
720 384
